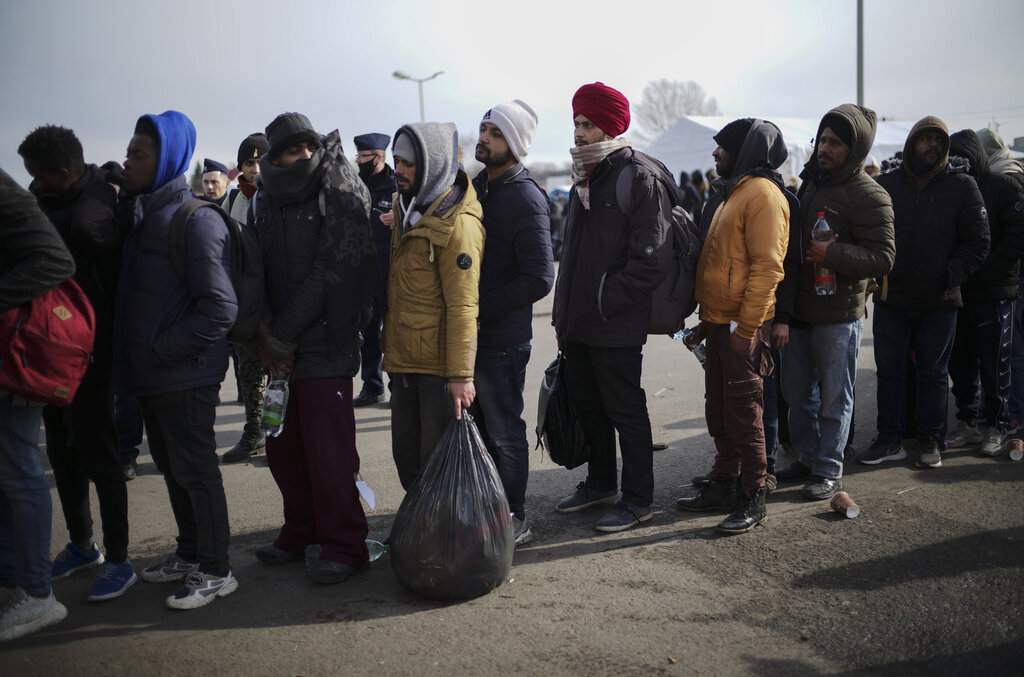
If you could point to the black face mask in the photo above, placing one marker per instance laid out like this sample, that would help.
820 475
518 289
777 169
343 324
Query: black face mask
366 169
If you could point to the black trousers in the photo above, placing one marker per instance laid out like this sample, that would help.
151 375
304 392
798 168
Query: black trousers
604 384
81 442
182 442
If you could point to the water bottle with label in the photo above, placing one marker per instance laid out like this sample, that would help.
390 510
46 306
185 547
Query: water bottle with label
698 350
275 405
824 278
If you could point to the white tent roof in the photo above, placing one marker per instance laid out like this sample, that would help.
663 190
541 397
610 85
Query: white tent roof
687 145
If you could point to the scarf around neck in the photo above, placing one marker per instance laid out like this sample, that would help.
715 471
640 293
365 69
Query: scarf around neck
585 158
296 183
248 189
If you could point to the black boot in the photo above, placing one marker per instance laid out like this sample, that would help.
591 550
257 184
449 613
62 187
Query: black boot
252 439
718 494
749 511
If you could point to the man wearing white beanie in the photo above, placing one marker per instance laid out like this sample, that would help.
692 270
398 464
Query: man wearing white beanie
517 270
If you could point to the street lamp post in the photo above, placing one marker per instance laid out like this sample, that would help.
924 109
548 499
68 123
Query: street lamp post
402 75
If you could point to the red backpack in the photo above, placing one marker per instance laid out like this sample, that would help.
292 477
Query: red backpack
45 345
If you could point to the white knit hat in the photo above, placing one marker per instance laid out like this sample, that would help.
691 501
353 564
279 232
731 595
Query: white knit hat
517 123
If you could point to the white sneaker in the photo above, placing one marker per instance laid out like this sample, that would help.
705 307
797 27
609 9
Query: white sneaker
200 589
522 531
24 614
992 445
964 435
173 568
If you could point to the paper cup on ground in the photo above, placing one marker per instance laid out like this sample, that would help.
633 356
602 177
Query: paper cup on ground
844 505
1015 450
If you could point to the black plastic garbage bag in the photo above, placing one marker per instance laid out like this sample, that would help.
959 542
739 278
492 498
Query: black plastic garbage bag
452 537
558 427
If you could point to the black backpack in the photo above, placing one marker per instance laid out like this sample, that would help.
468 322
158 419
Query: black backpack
246 266
673 301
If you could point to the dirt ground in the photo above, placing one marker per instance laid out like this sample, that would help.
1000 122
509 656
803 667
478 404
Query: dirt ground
926 581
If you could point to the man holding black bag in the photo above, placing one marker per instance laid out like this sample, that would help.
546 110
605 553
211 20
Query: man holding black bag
610 267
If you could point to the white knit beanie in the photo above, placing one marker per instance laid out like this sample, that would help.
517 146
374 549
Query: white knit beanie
517 123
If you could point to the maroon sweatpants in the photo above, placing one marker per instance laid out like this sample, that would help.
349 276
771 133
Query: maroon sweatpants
734 402
314 463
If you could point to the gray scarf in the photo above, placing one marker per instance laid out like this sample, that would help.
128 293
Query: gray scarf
585 158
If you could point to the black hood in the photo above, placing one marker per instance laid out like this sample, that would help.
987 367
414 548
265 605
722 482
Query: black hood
967 144
763 152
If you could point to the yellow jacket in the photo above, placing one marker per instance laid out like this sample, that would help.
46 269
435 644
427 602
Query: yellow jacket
433 299
741 262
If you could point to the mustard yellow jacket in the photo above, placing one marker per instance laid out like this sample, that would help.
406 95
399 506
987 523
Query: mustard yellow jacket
430 326
741 262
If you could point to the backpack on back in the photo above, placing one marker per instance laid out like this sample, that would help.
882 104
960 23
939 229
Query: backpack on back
246 266
46 344
673 300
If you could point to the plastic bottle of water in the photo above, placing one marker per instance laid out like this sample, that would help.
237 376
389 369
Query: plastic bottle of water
274 406
824 278
699 351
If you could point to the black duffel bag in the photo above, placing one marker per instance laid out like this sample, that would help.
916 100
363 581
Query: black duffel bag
558 426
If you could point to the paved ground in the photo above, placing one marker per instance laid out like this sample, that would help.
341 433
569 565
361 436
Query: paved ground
927 581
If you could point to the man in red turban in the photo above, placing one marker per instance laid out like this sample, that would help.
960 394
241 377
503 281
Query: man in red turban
615 255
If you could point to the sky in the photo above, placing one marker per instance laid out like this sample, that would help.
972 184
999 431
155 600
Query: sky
233 66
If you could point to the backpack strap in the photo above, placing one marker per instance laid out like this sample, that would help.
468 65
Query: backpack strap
177 237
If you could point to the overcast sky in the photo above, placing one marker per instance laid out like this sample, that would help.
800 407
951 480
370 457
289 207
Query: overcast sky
232 66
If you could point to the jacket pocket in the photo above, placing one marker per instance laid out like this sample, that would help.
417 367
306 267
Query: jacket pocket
420 334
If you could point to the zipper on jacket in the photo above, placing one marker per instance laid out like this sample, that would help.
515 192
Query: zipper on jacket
742 381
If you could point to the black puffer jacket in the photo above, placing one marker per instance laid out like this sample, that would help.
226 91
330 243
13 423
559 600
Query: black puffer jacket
941 229
33 258
84 217
1004 200
611 263
859 211
320 263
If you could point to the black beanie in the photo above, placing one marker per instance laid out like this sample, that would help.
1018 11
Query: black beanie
254 146
732 136
287 129
840 126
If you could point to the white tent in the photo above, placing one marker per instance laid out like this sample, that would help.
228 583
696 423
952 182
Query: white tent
687 145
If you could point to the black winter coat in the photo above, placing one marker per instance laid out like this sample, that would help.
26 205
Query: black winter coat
33 258
997 277
517 269
170 336
941 238
84 217
611 264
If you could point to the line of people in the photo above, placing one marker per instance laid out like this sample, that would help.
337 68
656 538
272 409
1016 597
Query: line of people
445 269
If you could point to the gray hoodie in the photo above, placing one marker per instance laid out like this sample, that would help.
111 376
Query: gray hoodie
436 145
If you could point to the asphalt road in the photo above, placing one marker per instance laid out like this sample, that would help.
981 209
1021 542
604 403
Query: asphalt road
926 581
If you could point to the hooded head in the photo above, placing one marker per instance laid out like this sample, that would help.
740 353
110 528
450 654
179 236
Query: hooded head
433 149
966 144
604 106
174 140
926 151
855 127
761 153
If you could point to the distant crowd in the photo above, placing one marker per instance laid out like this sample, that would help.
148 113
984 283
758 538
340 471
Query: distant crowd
316 269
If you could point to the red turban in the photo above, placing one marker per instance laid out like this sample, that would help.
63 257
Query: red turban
605 107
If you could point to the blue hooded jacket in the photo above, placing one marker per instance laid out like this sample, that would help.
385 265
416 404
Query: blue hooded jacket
177 144
170 336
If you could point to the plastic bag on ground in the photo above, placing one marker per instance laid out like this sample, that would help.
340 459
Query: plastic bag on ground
452 537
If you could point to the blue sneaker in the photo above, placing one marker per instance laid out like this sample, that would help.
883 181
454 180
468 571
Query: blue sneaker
71 559
112 582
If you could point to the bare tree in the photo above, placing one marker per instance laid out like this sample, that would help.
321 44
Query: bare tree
663 102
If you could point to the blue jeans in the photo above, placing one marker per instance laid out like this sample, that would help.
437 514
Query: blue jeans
25 507
500 376
818 375
929 333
